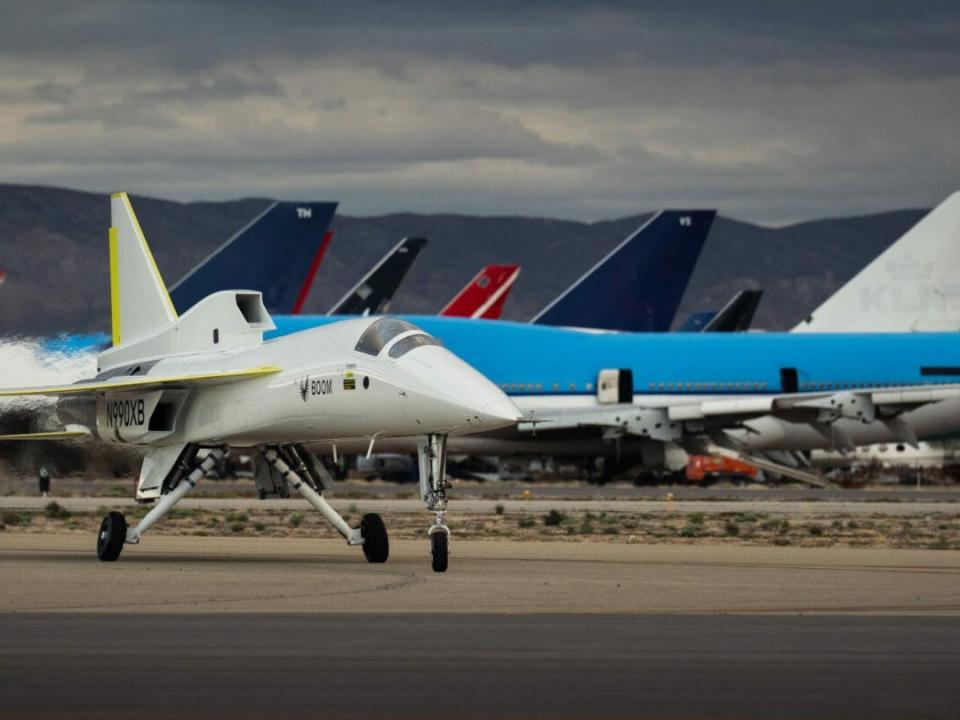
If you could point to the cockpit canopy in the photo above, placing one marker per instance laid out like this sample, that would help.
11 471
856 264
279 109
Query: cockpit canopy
383 330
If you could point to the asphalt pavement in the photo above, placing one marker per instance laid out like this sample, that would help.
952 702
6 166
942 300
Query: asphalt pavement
468 666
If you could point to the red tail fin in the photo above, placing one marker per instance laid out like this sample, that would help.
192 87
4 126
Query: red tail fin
483 297
312 272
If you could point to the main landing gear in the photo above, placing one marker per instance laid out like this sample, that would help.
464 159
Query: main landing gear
114 531
372 534
432 457
289 464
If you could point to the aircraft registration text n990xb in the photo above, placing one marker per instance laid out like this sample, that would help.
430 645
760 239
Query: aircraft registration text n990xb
125 413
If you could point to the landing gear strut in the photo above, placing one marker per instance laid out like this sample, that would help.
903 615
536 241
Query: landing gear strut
432 457
114 531
372 534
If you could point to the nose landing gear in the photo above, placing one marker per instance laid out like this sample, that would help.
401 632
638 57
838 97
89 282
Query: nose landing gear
439 547
432 457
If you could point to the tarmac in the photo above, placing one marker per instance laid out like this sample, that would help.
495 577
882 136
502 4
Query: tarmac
248 627
59 573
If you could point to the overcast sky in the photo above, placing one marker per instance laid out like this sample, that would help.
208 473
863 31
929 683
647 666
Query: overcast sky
769 111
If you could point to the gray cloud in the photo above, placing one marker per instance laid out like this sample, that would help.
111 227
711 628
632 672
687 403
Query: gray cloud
772 112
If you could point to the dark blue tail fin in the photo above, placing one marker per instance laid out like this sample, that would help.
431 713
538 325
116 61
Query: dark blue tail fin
372 295
639 285
697 321
277 253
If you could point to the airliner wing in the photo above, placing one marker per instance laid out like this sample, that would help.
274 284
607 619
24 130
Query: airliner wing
859 404
124 383
681 418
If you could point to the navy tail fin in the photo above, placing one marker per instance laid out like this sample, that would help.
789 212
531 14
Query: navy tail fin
639 285
736 315
697 321
372 295
277 253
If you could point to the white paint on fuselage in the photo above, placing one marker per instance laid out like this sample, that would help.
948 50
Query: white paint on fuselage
427 390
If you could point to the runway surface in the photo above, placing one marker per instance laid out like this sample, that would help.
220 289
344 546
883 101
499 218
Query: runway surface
226 574
467 666
247 627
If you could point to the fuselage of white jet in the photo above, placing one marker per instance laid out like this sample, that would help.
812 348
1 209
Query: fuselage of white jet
329 383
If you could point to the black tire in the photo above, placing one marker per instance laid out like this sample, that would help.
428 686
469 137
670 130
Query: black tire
376 546
112 535
439 546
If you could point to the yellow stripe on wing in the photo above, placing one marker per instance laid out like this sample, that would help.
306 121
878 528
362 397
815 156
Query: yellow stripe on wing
56 435
139 383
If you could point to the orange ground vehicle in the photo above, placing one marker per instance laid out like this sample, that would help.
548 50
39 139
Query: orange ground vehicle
710 468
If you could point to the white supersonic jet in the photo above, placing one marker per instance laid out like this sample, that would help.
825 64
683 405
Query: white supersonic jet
193 386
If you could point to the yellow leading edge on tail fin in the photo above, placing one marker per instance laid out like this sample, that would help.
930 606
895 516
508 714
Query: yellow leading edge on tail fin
140 303
114 288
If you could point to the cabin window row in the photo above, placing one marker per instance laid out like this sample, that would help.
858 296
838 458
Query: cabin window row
705 386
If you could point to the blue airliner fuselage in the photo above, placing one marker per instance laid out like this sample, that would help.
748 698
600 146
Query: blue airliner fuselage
529 359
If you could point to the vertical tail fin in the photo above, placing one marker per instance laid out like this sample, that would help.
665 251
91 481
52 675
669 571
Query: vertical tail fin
737 314
911 286
484 296
139 303
372 295
277 253
697 321
639 285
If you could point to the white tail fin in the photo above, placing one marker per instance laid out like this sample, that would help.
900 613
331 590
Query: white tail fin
914 285
139 301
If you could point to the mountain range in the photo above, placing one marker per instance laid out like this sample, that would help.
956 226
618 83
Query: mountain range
53 246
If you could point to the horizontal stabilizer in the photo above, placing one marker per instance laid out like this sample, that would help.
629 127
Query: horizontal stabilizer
141 383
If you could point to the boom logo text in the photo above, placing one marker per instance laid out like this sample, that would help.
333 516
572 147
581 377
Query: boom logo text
314 386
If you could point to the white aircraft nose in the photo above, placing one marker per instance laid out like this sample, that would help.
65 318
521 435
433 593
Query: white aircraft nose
481 404
501 412
466 400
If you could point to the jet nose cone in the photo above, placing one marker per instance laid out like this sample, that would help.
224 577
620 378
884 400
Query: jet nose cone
453 397
500 413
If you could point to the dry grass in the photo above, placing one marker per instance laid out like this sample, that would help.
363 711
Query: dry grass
933 531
